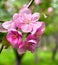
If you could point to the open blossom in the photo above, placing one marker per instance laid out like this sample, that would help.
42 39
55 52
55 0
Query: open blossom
14 37
30 44
37 2
8 25
24 20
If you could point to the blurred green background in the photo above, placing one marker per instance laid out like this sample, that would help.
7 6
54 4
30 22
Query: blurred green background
47 52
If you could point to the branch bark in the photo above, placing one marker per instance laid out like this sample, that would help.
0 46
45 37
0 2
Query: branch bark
1 48
18 57
30 3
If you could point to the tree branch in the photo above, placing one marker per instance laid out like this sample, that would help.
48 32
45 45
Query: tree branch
1 48
18 57
30 3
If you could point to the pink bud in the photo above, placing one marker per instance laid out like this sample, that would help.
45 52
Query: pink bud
25 5
37 2
50 9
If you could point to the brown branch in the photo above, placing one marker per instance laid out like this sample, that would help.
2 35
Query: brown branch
30 3
1 48
18 57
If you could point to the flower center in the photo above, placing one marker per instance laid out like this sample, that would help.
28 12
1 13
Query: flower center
15 36
27 21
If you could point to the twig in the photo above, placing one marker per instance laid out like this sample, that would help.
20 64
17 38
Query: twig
1 48
30 3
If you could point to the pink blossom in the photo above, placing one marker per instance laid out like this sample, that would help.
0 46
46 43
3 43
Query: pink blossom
50 9
14 37
25 20
37 2
30 44
37 26
8 25
28 23
40 30
32 40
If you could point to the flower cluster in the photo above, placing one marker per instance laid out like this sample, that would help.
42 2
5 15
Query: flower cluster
24 23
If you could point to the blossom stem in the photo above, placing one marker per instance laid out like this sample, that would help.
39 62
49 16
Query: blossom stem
1 48
18 57
30 3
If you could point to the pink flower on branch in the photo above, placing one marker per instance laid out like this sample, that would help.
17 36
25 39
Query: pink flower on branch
14 37
24 20
2 29
30 44
28 24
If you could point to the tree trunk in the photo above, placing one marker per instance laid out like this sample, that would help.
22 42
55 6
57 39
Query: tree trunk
56 47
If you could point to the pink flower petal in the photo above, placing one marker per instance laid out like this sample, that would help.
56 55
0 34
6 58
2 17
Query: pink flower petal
14 37
26 28
15 16
32 41
11 39
25 10
41 30
21 50
2 29
36 25
8 25
35 17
